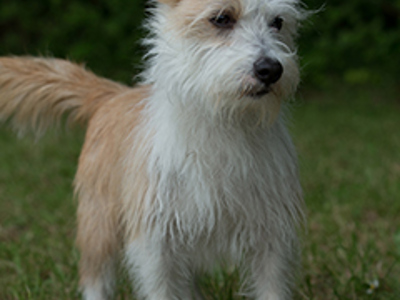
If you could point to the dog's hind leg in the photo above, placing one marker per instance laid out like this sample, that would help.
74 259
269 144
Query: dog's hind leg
159 272
273 271
97 240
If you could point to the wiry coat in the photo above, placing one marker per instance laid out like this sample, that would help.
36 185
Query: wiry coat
186 169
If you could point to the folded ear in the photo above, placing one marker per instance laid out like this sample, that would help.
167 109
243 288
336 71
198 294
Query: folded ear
169 2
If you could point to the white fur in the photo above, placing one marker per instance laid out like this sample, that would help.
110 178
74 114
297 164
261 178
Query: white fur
221 165
102 287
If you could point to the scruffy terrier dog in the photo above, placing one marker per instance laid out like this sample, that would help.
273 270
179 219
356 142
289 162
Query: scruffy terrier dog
192 167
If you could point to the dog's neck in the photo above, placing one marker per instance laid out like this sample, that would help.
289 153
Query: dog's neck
180 128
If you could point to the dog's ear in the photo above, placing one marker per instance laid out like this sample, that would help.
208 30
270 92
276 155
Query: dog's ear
171 3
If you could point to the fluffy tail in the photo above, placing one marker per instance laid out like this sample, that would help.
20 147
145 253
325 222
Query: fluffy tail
36 92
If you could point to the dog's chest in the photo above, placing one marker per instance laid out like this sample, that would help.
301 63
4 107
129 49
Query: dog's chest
225 181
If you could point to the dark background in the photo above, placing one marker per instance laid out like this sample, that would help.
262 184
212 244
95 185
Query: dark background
346 42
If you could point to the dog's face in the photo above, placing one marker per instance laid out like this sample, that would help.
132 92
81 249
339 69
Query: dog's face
238 53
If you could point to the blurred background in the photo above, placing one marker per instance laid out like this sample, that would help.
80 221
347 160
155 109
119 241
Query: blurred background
346 126
350 42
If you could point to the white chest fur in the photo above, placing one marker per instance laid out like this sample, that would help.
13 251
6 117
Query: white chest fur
215 179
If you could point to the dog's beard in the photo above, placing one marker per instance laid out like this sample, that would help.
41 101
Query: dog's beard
248 110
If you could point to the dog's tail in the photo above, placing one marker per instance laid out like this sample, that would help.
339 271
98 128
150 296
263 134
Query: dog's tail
36 92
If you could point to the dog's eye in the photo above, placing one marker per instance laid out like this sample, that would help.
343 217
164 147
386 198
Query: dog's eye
277 23
223 20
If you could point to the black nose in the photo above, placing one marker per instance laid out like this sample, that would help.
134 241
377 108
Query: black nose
268 70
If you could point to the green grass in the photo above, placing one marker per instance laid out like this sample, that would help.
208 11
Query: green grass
349 148
349 145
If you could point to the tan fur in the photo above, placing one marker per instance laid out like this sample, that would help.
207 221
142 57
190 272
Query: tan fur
170 2
108 141
192 18
136 188
37 91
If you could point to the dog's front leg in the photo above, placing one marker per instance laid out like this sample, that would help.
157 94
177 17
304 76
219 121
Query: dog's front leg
159 271
272 272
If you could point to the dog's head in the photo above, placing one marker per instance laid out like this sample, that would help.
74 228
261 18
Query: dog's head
238 55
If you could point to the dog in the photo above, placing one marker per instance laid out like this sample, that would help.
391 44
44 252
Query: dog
192 167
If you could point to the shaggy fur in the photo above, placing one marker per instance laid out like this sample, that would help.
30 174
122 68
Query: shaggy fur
192 167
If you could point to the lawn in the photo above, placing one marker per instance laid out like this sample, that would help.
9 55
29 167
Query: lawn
348 143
